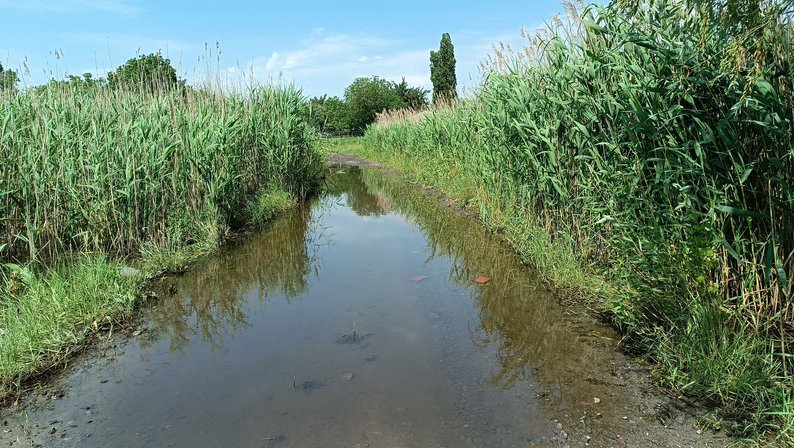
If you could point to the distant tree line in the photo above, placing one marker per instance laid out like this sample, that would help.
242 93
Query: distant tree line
146 73
364 98
8 79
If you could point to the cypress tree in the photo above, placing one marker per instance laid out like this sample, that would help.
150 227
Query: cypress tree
442 70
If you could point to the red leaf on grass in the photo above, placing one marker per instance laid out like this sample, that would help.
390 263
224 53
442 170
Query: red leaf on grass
482 280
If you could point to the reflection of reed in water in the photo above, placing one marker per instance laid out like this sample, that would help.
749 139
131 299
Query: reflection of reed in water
275 261
535 337
358 197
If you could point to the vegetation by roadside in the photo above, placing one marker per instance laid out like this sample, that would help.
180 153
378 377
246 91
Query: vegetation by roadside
102 188
641 157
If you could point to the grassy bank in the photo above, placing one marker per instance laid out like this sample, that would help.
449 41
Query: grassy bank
641 158
94 180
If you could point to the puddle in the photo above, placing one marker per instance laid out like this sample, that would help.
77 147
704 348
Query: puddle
358 321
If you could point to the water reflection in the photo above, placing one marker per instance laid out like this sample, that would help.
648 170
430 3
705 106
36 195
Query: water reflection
536 340
530 333
349 183
210 299
331 329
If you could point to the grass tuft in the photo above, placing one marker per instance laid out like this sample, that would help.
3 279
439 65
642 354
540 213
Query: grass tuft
45 316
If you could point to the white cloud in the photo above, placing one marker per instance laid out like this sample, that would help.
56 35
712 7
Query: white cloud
273 62
325 63
124 7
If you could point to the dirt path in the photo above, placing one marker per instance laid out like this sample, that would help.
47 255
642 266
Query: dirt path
624 408
607 400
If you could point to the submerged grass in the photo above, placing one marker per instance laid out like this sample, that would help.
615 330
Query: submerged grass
641 156
155 180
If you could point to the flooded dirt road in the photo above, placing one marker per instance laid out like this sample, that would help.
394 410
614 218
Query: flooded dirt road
357 321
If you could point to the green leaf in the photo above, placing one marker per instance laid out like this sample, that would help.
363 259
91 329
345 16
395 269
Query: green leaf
781 275
591 25
730 250
764 87
733 211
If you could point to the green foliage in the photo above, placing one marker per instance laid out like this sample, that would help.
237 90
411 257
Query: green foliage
414 98
48 315
442 70
267 204
366 97
329 115
8 79
107 170
74 83
654 145
150 73
86 81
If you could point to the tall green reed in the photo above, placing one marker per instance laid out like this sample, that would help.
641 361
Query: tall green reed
653 140
107 170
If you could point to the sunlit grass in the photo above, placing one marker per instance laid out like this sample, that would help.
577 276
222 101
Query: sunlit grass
44 317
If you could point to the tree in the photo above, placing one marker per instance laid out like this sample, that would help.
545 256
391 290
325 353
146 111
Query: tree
87 81
366 97
442 70
414 97
8 79
151 73
74 83
329 114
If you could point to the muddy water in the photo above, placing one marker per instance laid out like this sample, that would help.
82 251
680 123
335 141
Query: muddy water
356 321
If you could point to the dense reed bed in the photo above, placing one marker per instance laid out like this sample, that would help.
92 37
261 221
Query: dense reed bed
108 170
93 176
640 156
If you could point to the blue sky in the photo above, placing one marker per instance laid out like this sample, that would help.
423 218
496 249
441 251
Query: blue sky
321 46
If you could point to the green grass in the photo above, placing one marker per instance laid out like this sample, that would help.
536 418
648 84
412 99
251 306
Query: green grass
157 180
44 317
267 204
339 145
640 158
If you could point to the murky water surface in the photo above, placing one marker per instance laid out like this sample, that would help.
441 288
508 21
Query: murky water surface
355 321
